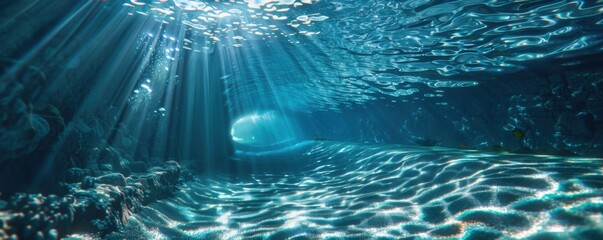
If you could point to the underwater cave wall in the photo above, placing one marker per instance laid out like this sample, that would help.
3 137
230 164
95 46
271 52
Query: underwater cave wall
46 82
68 99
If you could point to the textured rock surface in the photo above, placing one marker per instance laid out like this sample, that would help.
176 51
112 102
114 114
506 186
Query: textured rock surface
115 179
24 124
98 205
32 215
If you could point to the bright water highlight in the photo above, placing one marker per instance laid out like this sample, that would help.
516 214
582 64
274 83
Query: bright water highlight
335 190
301 119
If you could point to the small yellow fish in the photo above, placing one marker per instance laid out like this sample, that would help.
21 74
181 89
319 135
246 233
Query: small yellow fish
518 133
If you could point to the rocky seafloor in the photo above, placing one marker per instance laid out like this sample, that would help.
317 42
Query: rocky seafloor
92 205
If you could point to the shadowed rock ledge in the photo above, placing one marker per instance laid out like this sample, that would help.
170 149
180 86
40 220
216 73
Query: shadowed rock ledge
98 205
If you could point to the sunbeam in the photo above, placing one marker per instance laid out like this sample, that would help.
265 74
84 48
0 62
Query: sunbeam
301 119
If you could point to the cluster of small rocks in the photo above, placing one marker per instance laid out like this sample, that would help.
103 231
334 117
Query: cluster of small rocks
34 216
98 205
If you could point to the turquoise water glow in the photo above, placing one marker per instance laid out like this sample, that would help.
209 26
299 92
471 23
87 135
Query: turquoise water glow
335 190
304 119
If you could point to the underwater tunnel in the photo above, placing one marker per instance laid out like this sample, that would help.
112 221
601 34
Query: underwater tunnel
301 119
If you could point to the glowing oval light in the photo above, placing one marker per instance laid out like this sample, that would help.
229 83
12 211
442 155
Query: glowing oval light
260 129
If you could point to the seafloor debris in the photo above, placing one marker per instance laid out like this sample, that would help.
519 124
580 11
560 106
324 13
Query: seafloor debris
97 205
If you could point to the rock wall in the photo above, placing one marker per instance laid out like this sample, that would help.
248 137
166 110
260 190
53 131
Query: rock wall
97 205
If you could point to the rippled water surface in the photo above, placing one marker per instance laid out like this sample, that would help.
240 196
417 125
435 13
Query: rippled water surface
345 191
105 86
380 49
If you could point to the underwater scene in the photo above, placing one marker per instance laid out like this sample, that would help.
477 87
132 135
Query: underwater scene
301 119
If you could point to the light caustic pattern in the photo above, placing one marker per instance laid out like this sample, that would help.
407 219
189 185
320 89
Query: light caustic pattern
343 191
349 52
391 50
452 37
231 23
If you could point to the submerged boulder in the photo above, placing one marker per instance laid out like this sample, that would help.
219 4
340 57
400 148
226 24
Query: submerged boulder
115 179
101 210
31 215
88 182
74 175
100 205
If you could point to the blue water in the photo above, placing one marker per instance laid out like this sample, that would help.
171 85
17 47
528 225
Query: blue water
302 119
339 190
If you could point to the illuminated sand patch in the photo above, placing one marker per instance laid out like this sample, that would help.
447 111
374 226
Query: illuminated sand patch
348 191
